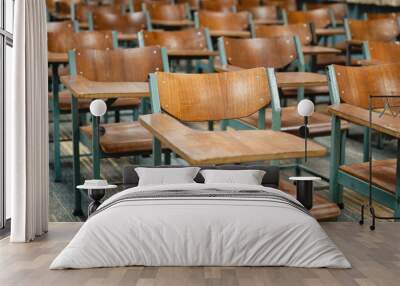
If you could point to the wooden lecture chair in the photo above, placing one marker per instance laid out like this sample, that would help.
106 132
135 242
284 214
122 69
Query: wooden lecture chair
321 20
169 16
350 90
266 14
277 53
218 5
225 24
309 46
188 44
338 11
322 27
61 44
287 5
178 99
127 25
358 31
181 98
81 12
59 10
109 75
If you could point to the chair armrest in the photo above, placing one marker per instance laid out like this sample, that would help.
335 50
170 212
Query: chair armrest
81 87
385 124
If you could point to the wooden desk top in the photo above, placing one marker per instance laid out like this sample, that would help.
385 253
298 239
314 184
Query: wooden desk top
60 58
386 124
319 50
191 53
181 23
368 62
300 79
84 88
224 147
228 33
329 31
268 22
127 37
285 79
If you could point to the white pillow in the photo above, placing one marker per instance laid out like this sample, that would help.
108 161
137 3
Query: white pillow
247 177
166 176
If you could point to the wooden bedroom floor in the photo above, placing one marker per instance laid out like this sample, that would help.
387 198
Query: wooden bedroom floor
375 257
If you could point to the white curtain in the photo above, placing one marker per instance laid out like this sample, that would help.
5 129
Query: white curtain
27 124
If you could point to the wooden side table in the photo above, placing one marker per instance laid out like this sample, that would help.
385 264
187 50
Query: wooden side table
304 190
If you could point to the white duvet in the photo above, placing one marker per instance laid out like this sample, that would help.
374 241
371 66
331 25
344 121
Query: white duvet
200 231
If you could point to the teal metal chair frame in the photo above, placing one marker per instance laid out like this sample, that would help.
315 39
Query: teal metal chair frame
97 153
340 179
156 108
56 112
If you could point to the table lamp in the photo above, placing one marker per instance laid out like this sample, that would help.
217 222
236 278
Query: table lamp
305 108
98 108
304 185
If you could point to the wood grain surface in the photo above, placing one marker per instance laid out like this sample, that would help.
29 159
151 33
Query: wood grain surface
226 147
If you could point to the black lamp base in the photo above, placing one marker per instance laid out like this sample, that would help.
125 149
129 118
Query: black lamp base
305 193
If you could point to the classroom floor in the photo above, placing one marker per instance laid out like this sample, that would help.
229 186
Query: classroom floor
375 259
61 194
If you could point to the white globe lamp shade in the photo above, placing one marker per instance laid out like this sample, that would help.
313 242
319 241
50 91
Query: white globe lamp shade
305 108
98 107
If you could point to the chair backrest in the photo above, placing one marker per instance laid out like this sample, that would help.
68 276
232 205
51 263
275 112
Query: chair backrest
216 96
340 10
374 16
188 39
193 4
60 36
119 65
126 23
100 40
385 30
277 52
301 30
64 41
249 3
138 4
224 21
82 10
167 12
320 18
354 85
383 52
218 5
262 12
288 5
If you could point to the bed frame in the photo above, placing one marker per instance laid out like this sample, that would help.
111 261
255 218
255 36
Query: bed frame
270 179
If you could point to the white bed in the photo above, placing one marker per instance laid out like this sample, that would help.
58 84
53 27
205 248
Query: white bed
203 231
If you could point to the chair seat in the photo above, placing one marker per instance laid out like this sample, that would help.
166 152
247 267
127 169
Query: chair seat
311 91
291 121
121 103
383 175
124 137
